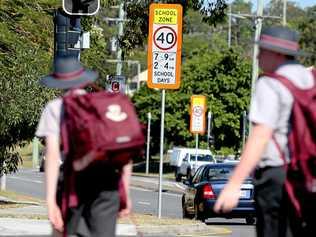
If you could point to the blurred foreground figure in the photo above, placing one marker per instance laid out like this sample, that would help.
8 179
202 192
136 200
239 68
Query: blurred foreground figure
284 166
83 199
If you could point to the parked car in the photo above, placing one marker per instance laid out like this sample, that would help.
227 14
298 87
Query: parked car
203 189
192 162
177 156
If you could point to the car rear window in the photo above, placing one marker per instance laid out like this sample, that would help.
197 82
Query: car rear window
220 172
201 157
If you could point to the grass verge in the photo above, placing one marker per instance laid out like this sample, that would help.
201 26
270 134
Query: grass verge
148 219
20 197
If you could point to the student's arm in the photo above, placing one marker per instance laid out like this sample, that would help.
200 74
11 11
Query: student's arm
255 146
126 178
52 163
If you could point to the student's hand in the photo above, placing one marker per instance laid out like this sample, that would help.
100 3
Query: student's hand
227 200
55 217
126 211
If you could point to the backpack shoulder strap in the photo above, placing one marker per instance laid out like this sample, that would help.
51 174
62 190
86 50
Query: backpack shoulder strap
64 139
285 81
314 75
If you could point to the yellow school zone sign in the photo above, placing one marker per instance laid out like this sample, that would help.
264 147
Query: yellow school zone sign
197 114
164 46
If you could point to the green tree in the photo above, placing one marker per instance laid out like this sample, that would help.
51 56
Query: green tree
307 27
136 32
223 76
26 54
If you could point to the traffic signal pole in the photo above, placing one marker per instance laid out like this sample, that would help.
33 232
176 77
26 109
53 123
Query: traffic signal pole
284 12
119 64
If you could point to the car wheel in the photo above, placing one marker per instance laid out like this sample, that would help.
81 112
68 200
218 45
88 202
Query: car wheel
185 213
250 220
178 176
198 215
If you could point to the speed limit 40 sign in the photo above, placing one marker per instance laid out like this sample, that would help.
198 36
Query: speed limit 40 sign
164 46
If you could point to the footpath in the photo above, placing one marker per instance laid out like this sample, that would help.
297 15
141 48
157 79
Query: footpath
29 219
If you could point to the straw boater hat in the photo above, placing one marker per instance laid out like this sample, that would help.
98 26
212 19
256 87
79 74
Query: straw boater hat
280 39
68 73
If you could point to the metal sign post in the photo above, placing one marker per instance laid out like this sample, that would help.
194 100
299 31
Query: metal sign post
3 182
209 121
35 152
148 142
162 128
244 124
164 60
196 150
197 119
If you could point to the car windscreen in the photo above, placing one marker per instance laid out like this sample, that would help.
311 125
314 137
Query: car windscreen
220 172
201 157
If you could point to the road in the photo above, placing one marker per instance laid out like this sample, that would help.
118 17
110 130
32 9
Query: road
31 182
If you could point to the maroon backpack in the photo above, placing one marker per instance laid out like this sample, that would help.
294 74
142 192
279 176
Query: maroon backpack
301 171
100 126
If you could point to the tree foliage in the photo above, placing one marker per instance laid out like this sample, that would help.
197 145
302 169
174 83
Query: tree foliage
137 12
307 28
26 54
223 76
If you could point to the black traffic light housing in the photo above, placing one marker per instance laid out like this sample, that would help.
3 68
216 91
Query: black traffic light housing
81 7
211 140
66 34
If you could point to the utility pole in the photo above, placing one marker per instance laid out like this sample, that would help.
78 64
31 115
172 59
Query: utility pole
120 33
255 64
128 63
3 181
229 25
284 12
258 26
257 19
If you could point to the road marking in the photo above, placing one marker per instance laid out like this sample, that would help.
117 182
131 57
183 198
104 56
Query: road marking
155 191
144 203
140 189
24 179
172 194
180 186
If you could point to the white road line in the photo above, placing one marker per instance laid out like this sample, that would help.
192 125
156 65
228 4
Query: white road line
144 203
147 190
140 189
24 179
172 194
180 186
